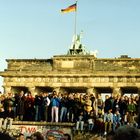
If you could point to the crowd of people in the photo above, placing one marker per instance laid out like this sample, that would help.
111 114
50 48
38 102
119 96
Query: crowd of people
87 111
34 136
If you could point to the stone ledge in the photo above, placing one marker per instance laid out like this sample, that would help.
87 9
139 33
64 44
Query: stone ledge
43 123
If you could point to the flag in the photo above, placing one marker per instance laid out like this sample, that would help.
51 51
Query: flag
71 8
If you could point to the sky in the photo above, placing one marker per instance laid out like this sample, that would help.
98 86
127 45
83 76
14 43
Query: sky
37 28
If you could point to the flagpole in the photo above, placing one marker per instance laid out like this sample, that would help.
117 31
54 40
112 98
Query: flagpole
75 26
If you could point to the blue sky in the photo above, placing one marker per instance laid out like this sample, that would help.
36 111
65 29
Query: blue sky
37 28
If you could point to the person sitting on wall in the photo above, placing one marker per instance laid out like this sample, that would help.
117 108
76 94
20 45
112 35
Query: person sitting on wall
8 118
108 120
9 113
67 136
1 115
80 122
91 120
116 120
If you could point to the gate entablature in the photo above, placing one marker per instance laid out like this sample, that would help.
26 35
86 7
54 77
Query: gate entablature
66 71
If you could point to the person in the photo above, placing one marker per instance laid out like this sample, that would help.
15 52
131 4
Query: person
5 136
55 104
8 116
67 136
91 121
38 103
110 135
100 104
28 138
138 110
29 114
108 121
37 136
21 137
80 122
64 108
126 132
116 120
50 138
46 103
9 113
20 106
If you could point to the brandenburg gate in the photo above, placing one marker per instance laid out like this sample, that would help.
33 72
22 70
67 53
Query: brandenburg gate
76 71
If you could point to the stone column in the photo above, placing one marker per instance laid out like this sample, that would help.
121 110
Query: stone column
92 90
7 89
117 91
62 90
57 89
89 91
32 90
139 91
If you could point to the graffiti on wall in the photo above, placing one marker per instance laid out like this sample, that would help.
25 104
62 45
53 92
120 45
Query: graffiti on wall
28 129
54 131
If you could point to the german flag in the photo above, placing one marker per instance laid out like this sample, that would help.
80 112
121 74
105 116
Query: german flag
71 8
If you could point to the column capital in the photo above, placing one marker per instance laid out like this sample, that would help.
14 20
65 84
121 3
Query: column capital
7 89
32 90
57 89
91 90
62 90
117 91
